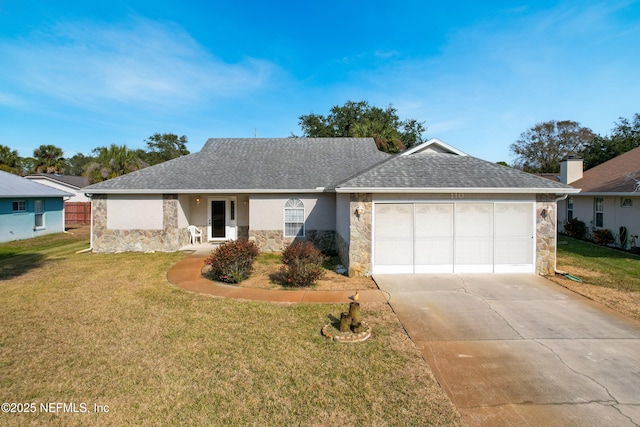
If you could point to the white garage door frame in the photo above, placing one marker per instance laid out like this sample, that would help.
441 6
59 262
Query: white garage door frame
479 236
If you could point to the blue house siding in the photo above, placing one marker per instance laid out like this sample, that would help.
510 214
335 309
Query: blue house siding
22 225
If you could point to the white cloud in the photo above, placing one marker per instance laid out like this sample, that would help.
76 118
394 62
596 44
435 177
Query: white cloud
10 100
143 63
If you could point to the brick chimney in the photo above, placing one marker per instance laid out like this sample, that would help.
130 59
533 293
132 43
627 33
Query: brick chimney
570 169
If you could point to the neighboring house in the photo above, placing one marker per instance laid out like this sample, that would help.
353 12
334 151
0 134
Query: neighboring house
609 196
78 206
430 209
29 209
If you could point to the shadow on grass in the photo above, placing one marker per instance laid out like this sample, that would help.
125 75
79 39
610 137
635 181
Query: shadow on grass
279 278
592 250
335 322
14 265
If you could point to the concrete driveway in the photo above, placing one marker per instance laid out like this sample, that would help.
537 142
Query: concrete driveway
521 350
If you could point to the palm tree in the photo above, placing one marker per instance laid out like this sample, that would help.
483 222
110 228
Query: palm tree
48 159
386 137
111 162
9 160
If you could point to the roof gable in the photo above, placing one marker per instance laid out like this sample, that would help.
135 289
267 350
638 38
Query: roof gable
618 175
15 186
431 171
433 145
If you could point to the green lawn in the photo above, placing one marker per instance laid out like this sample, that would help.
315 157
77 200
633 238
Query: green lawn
109 330
599 265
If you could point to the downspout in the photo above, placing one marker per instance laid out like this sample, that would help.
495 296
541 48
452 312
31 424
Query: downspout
555 255
90 248
64 215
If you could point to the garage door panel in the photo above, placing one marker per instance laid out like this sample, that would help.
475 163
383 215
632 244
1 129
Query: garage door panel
475 237
393 242
434 238
514 237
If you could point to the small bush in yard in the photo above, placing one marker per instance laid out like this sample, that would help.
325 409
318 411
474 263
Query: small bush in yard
302 264
603 236
232 261
575 228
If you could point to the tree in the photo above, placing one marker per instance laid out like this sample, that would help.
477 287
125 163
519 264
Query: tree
116 160
625 136
166 146
541 148
10 160
48 159
76 164
359 119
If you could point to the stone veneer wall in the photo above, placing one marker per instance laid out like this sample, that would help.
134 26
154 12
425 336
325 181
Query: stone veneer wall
360 235
243 232
170 238
274 240
342 247
545 235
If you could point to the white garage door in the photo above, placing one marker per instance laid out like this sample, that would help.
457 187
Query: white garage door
496 237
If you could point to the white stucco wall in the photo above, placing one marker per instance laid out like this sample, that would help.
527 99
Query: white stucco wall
614 215
266 211
184 208
458 197
78 197
342 215
135 212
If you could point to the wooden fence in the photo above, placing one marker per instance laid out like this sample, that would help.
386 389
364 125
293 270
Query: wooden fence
77 213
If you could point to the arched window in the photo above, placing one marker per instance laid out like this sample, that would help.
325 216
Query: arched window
294 218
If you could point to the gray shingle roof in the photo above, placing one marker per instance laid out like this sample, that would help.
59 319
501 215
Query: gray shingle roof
441 171
254 164
12 186
70 180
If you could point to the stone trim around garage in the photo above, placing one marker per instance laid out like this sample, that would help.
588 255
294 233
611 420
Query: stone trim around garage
546 235
357 254
360 256
168 239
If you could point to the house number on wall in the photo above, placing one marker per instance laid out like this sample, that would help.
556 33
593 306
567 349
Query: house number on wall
457 195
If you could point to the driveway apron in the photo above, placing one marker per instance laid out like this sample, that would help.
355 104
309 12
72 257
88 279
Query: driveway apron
521 350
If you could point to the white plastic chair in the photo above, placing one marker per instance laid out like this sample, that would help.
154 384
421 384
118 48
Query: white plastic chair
196 234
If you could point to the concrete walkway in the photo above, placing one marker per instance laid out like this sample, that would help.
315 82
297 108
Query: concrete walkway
186 275
520 350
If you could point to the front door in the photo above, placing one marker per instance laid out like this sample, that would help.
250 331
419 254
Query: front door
222 219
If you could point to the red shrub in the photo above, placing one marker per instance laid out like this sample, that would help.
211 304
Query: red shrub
603 236
232 261
302 264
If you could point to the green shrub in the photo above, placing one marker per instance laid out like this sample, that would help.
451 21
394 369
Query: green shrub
624 237
603 236
575 228
232 261
302 264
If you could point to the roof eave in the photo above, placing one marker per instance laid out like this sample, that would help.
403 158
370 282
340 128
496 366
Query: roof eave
443 190
610 193
206 190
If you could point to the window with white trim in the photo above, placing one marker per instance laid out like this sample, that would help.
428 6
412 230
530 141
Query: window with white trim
626 202
598 208
569 208
39 213
19 206
294 218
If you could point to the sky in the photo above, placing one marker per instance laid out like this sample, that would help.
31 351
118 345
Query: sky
85 74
